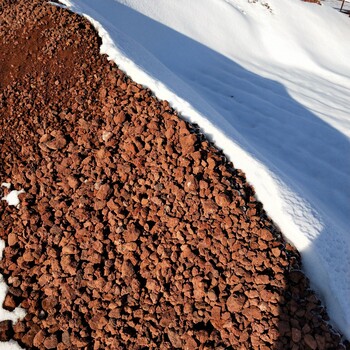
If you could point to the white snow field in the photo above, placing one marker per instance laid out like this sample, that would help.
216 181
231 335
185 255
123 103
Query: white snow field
269 82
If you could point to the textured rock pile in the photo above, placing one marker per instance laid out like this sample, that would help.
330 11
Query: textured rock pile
134 231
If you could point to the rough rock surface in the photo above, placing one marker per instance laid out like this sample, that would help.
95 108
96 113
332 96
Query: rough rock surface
134 231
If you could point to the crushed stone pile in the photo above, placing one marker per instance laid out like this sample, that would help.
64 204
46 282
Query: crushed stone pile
133 231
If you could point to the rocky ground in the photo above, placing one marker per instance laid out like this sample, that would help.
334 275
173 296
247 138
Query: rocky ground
134 231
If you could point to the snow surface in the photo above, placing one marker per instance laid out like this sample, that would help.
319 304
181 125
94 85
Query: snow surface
269 82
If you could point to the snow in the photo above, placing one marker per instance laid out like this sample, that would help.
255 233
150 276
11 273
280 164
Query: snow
269 82
10 345
6 184
12 197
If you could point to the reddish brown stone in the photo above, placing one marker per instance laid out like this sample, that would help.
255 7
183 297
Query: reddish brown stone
191 183
252 313
9 302
49 303
72 182
39 339
12 239
209 207
5 330
235 304
222 200
120 117
187 143
50 342
266 235
103 192
262 279
310 341
296 335
131 235
28 257
57 143
174 339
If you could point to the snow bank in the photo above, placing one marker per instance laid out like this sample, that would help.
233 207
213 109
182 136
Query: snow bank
269 82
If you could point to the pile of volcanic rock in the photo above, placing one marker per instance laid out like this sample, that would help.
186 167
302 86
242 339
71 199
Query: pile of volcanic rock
134 231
